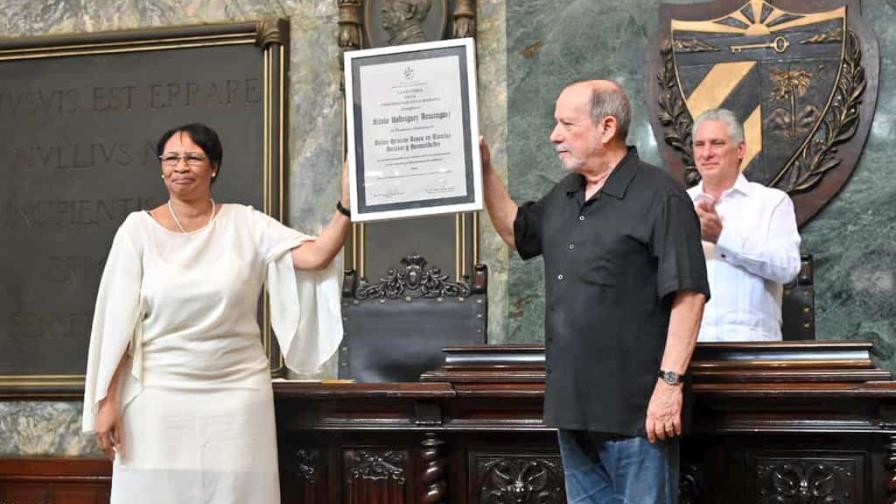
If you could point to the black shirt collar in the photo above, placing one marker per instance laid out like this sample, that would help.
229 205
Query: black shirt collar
619 179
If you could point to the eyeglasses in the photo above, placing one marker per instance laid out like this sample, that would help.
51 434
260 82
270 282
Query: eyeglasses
191 159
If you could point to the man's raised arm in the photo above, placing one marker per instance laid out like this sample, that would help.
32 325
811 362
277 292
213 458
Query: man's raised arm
501 209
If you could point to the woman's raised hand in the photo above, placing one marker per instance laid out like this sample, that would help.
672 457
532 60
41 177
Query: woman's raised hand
345 198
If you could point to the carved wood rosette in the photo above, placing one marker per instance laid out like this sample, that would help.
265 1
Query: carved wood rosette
375 475
306 465
303 476
807 480
413 279
801 76
517 479
435 487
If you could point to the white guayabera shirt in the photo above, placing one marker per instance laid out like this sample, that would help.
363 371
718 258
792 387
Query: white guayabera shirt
757 252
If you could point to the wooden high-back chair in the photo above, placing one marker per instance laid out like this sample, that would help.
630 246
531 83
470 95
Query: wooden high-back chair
395 329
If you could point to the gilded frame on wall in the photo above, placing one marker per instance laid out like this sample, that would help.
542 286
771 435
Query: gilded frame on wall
270 41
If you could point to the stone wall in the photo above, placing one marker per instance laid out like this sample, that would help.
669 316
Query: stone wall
526 51
853 240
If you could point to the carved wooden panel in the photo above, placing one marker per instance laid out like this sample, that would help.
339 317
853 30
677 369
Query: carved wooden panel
376 475
807 479
54 481
504 478
303 475
890 466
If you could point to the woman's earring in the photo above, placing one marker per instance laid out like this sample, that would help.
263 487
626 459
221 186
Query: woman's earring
163 175
215 174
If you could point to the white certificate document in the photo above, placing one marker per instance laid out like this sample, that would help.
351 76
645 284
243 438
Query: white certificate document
413 133
413 130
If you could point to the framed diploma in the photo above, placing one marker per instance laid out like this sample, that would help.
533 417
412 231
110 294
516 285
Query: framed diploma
413 130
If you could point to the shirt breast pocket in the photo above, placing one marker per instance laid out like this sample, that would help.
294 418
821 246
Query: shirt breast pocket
604 255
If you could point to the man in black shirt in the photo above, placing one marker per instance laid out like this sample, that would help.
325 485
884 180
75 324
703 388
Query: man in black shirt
625 282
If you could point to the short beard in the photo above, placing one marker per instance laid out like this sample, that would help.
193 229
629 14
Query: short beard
574 165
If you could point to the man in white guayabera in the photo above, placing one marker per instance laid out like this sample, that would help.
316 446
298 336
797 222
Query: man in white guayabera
749 235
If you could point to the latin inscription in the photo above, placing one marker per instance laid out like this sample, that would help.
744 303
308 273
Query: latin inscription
71 213
77 156
129 97
83 156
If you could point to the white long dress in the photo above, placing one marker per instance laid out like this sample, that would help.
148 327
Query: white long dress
198 413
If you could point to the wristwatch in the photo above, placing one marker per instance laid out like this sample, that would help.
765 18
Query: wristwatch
671 377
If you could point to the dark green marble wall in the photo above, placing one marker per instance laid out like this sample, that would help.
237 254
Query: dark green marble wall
553 42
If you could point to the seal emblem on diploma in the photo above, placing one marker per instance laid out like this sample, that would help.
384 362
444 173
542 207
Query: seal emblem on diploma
800 75
413 130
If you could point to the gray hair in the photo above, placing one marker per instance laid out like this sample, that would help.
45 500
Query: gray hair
735 128
613 102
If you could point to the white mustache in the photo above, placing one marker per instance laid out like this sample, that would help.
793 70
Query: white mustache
561 148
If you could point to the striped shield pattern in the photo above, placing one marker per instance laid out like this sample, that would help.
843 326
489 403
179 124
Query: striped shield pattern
776 70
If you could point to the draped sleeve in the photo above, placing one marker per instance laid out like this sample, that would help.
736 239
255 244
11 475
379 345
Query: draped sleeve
116 319
305 310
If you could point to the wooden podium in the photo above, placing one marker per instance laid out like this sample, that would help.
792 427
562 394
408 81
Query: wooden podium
794 422
772 422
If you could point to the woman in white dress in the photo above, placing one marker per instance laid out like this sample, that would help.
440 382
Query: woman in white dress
178 389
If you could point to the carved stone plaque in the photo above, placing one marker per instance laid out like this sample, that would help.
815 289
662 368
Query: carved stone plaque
79 117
